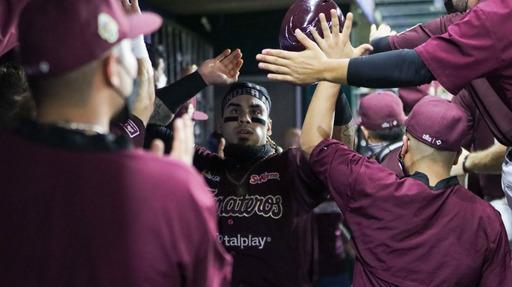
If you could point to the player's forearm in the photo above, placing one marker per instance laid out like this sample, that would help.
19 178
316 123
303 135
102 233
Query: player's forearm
402 68
146 99
318 124
488 161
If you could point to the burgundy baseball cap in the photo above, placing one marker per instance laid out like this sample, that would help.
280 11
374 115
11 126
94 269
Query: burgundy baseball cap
9 13
196 116
381 110
410 96
57 36
437 123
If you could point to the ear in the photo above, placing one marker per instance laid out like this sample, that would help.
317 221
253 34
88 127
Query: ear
109 70
457 156
405 146
269 127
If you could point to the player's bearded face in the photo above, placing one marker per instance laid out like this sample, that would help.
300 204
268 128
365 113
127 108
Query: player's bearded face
246 121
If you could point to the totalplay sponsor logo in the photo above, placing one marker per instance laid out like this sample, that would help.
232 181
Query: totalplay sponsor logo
244 241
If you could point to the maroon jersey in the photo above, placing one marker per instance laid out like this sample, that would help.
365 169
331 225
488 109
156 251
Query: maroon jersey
82 210
479 138
408 233
479 40
265 222
493 104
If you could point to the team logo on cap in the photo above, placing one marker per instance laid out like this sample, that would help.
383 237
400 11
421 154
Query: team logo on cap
108 29
432 140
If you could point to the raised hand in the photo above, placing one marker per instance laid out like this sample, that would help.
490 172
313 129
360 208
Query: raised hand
223 69
336 44
383 31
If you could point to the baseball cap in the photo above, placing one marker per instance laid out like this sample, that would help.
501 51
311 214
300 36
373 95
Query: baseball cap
410 96
57 36
437 123
9 14
196 116
381 110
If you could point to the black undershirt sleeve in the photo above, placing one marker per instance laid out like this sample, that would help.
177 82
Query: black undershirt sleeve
381 45
179 92
399 68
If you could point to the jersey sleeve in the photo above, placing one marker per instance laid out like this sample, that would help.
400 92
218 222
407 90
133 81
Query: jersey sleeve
419 34
468 43
309 190
352 179
205 159
210 264
497 270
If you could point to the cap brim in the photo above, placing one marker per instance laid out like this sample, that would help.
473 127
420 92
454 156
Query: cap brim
143 24
199 116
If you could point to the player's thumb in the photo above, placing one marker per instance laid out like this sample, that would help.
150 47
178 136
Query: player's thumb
157 147
363 49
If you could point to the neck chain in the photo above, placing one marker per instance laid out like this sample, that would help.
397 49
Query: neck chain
88 129
241 189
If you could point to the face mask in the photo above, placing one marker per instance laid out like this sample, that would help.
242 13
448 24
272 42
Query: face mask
162 81
129 103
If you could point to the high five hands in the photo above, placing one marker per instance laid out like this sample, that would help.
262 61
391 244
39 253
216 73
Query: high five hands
315 63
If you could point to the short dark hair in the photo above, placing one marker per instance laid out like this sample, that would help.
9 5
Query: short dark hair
389 135
15 99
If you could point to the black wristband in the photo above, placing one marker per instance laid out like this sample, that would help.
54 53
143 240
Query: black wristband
179 92
343 112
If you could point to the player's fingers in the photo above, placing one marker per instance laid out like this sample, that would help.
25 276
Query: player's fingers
317 38
274 68
220 148
223 55
304 40
157 147
274 60
276 53
363 49
347 27
335 23
325 26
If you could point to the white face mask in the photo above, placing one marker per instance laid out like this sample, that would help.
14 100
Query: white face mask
506 178
162 81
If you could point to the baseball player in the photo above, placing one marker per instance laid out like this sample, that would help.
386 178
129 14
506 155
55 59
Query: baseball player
264 196
79 206
444 57
405 229
382 118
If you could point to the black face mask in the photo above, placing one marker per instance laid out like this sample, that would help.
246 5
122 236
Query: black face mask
129 103
450 8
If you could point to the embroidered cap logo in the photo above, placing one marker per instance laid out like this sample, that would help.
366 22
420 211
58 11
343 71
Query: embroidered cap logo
108 29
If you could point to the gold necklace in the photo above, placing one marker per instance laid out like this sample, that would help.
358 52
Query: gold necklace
241 186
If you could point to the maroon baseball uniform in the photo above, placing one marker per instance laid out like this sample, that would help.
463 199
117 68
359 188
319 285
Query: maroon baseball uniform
478 46
81 210
265 216
479 138
408 233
